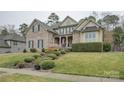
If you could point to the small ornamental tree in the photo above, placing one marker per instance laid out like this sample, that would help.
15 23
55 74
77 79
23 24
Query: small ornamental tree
117 38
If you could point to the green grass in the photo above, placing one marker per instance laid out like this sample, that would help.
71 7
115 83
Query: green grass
26 78
6 60
92 64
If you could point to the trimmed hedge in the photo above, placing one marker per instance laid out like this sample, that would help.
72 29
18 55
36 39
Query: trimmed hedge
87 47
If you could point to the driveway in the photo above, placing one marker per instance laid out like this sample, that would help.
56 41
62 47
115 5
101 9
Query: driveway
74 78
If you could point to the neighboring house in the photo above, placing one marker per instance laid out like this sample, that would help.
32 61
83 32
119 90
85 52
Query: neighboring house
12 43
63 34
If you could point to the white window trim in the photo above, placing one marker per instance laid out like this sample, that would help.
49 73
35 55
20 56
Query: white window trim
90 36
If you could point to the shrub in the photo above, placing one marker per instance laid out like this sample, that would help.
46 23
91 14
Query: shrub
24 51
47 65
51 50
57 53
87 47
15 63
47 58
33 50
68 50
53 56
63 52
42 54
106 47
37 67
43 50
8 52
36 56
20 65
28 60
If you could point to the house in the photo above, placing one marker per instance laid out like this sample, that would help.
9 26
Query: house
12 43
63 34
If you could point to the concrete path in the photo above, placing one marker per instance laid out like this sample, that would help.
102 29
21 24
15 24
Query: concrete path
66 77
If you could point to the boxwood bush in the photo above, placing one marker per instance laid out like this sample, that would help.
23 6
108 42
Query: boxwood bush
87 47
47 65
106 47
58 53
63 52
36 56
53 56
33 50
29 60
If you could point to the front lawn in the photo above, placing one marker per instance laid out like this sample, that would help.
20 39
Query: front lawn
26 78
92 64
6 60
80 63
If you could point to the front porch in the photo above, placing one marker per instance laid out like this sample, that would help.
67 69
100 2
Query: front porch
63 41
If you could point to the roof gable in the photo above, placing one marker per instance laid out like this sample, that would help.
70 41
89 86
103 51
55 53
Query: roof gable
86 23
43 25
81 24
68 21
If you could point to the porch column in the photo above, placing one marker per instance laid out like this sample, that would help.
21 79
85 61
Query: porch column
60 41
66 41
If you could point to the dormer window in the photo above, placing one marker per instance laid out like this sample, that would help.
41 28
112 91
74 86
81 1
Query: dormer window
36 28
32 28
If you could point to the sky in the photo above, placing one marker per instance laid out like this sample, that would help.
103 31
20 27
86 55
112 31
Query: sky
18 17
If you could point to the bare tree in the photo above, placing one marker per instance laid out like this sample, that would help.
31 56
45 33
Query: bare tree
10 28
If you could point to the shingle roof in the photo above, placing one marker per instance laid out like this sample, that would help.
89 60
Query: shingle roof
15 37
12 36
56 25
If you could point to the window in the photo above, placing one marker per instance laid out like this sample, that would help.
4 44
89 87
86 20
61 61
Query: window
40 44
32 28
62 30
67 30
31 44
90 36
38 27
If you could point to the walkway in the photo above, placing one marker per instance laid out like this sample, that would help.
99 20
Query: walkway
66 77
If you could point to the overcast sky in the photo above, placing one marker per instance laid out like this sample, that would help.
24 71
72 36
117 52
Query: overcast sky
17 18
